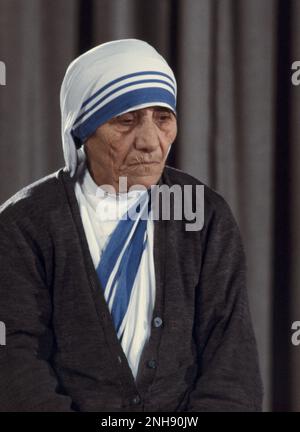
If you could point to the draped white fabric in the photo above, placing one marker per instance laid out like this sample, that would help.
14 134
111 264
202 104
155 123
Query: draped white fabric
99 223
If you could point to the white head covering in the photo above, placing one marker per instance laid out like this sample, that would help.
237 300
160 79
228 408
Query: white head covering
106 81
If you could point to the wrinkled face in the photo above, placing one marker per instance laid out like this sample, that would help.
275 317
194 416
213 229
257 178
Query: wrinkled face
133 145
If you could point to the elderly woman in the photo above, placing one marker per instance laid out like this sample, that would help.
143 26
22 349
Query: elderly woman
111 313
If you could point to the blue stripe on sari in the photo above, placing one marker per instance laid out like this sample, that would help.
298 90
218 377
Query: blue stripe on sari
128 267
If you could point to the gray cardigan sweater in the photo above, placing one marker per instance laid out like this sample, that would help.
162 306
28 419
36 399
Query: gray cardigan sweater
62 352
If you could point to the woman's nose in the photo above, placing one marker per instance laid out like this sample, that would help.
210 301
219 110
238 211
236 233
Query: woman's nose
146 138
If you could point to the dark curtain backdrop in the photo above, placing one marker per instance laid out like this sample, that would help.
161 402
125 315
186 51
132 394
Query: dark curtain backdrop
239 126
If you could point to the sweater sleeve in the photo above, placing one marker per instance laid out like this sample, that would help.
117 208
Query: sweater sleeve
229 377
27 380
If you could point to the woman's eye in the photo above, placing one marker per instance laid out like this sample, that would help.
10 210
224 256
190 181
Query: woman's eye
126 120
165 116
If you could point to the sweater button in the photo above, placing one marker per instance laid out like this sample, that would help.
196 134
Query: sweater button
152 364
157 322
136 400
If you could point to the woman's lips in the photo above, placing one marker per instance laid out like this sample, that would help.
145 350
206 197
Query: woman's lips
144 163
